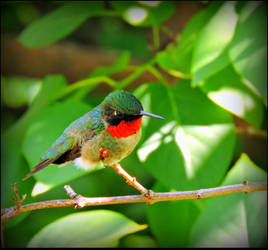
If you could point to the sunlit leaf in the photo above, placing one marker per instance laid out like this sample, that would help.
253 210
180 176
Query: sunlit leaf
227 90
139 14
248 50
177 59
99 228
236 220
210 55
195 135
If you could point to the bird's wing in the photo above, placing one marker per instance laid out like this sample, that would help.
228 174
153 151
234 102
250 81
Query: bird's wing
62 146
67 146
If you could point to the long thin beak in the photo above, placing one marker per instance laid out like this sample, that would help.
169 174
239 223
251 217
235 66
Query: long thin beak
150 114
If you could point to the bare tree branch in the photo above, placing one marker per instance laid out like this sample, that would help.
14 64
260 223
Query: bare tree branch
79 201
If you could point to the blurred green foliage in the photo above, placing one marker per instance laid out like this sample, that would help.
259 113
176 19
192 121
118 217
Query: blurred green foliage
101 228
18 91
220 58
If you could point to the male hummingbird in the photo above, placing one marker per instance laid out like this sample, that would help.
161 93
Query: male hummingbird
107 134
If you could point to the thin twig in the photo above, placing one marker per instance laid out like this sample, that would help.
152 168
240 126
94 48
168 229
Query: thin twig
84 83
130 180
126 81
250 131
80 201
155 29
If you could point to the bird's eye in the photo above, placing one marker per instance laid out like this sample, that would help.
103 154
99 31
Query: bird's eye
117 114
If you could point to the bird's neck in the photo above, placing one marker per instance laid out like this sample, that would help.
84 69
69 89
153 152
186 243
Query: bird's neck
125 128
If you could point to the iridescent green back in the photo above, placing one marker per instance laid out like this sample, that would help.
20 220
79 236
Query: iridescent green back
82 129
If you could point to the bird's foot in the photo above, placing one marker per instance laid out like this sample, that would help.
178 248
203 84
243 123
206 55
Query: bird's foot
103 153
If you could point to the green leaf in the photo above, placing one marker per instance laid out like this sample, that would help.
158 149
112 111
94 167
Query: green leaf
9 120
19 91
236 220
118 66
99 228
177 59
142 13
13 169
171 221
195 134
49 89
44 130
210 54
227 90
138 241
248 50
26 230
59 23
126 38
13 165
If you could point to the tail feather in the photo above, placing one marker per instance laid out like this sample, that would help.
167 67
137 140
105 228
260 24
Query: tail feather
39 167
62 145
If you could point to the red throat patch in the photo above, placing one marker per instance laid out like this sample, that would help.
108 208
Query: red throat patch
125 129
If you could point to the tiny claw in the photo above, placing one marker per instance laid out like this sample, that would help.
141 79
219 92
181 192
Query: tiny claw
101 150
105 154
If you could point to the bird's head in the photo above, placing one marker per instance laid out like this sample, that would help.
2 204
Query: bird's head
123 106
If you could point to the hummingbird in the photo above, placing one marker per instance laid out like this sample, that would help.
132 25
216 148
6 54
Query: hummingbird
107 134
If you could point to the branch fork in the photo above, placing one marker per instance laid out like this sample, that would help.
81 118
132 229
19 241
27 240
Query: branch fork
132 181
9 213
78 199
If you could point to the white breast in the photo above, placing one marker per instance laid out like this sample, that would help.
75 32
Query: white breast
84 164
121 149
